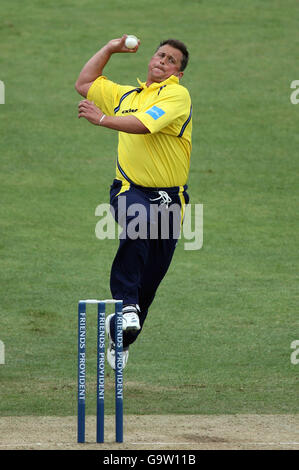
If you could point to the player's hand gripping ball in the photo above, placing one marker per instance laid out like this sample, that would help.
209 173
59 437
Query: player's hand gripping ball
131 41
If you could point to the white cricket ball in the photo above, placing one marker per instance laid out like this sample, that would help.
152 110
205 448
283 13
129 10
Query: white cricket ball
131 41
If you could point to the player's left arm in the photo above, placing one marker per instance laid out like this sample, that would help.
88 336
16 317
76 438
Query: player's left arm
129 124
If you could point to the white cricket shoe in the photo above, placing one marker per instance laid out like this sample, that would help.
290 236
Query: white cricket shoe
130 318
111 347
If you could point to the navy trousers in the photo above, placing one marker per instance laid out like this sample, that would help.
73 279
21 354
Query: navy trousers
150 219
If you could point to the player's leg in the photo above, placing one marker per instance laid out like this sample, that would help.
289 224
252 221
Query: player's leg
131 256
127 266
160 254
156 267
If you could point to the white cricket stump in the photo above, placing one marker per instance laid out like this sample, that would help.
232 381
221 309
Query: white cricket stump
2 92
2 353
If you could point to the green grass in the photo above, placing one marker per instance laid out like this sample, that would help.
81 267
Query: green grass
217 339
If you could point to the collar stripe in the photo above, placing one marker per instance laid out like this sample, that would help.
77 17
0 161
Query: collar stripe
124 96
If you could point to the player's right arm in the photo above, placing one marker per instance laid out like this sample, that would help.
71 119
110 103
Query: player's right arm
95 66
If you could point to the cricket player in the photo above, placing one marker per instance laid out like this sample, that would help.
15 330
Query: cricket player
154 122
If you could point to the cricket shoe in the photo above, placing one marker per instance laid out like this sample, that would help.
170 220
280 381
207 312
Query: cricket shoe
111 347
131 320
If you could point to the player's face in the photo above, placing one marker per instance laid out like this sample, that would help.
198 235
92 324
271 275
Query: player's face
164 63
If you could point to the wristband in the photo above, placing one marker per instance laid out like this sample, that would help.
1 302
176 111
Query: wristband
102 117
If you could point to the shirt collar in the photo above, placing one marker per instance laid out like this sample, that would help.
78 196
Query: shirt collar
171 79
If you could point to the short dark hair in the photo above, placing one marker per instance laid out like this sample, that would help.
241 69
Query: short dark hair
177 45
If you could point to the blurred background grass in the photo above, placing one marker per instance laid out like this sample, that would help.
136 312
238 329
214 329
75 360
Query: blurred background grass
217 339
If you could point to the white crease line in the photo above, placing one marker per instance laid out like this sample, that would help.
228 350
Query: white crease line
211 442
276 443
150 443
22 444
162 443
